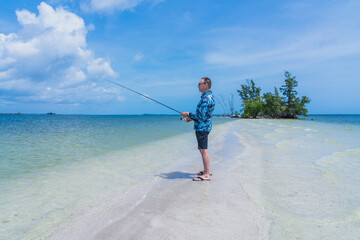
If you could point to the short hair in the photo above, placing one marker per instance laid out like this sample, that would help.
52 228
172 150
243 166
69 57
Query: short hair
207 81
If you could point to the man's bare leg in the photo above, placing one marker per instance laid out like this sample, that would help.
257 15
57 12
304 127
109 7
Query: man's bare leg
206 162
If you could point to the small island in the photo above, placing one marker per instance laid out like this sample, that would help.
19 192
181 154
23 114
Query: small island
269 105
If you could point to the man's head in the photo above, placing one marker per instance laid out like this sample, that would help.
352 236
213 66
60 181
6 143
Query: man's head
204 84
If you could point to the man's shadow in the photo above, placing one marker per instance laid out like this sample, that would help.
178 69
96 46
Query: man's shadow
176 175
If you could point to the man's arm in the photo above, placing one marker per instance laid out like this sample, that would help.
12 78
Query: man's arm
201 114
187 116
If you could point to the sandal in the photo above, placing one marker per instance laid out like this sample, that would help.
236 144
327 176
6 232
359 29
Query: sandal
201 179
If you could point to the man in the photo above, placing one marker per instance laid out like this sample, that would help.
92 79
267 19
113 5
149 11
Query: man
202 125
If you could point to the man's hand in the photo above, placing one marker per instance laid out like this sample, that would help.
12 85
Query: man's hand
185 114
188 119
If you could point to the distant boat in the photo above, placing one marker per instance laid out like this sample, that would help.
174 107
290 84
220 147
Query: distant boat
51 113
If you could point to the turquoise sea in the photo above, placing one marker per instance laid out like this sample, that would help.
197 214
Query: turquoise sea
36 143
54 168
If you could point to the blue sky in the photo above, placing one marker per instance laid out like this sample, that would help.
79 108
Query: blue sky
56 55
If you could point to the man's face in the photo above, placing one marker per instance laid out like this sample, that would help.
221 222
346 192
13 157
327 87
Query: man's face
202 86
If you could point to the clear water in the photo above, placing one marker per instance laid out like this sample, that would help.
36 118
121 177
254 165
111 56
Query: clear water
350 119
35 143
304 174
56 167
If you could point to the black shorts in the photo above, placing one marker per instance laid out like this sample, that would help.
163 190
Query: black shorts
202 139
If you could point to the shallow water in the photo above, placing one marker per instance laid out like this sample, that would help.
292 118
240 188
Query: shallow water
305 175
302 173
55 168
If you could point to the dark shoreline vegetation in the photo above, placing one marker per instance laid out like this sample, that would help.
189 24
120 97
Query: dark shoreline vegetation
272 105
11 113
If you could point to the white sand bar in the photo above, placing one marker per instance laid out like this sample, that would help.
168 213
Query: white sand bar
272 179
179 208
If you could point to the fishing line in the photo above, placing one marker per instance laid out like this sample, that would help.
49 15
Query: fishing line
145 96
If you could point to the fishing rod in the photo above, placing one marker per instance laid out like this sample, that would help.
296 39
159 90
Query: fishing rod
147 97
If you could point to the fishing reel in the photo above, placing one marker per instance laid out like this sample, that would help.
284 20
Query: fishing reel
183 119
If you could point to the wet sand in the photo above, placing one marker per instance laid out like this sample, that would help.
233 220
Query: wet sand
178 208
272 179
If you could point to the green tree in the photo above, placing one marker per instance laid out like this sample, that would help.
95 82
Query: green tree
273 107
249 91
300 109
294 105
251 101
252 107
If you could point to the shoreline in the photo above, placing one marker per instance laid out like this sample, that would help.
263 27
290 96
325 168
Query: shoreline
179 208
175 207
290 175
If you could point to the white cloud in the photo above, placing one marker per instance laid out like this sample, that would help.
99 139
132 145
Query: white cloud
109 5
100 68
138 57
26 17
6 74
73 76
333 33
114 5
105 5
48 59
90 27
313 46
16 84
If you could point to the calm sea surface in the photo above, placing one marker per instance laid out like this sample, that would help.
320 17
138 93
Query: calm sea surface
34 143
53 167
350 119
304 173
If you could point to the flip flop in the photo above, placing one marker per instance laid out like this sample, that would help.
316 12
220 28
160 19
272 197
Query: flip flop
202 173
201 179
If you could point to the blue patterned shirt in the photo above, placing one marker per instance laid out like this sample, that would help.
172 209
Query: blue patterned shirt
202 118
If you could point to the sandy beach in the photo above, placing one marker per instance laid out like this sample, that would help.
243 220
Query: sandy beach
175 207
272 179
179 208
266 184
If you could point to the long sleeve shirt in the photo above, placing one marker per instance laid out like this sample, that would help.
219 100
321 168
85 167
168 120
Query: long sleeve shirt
202 117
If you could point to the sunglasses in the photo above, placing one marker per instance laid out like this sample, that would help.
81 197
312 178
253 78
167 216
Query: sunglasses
201 83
